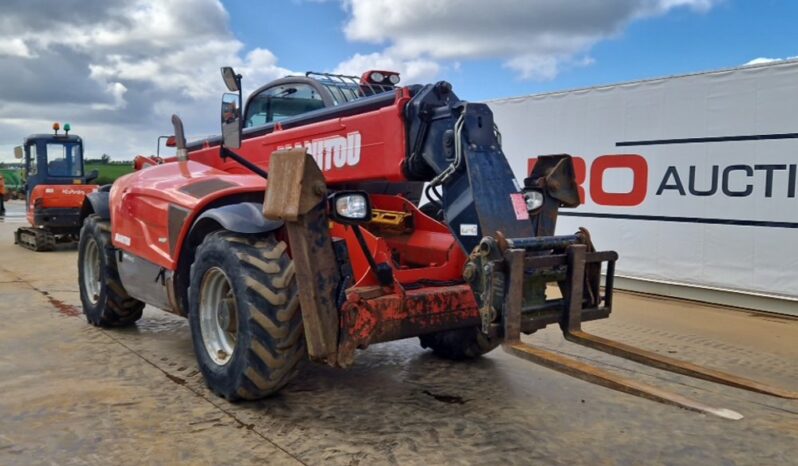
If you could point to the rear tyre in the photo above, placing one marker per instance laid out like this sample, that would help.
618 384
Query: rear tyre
105 301
244 314
459 344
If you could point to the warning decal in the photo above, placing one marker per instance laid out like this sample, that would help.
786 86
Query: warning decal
519 205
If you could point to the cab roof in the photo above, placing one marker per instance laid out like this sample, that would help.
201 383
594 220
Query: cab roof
52 137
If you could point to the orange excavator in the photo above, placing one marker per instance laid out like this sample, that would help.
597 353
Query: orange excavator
55 187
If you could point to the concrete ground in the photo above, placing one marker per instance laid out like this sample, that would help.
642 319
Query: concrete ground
71 393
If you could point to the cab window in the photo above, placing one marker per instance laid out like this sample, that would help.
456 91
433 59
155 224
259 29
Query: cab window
64 160
32 160
281 102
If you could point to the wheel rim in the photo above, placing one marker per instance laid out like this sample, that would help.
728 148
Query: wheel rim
218 314
91 271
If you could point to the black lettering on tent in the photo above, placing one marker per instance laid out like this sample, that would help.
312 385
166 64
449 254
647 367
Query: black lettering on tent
769 169
749 188
714 186
677 181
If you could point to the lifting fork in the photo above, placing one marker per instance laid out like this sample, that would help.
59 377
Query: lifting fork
576 257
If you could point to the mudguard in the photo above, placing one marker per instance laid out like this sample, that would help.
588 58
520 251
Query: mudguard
245 218
98 203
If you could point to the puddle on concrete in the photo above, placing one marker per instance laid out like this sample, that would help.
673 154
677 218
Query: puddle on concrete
175 379
15 213
450 399
13 219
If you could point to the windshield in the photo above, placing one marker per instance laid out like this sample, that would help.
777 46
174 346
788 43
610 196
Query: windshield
281 102
64 159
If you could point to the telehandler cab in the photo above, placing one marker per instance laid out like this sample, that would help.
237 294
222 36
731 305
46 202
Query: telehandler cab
55 188
298 233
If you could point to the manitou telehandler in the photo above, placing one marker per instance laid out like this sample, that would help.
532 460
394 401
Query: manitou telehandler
55 188
298 233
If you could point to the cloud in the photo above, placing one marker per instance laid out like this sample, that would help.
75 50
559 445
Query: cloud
534 38
763 60
15 47
117 69
412 71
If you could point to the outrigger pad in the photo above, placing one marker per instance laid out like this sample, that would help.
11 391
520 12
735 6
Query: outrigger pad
295 194
556 174
295 186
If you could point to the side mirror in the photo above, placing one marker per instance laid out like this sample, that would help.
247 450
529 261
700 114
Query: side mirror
231 120
180 139
92 176
19 153
231 79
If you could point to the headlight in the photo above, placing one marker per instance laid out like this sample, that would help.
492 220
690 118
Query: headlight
534 200
377 77
394 79
350 207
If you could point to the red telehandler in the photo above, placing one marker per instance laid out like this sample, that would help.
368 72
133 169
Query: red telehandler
298 233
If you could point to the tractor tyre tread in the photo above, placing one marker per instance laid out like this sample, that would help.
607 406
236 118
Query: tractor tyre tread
114 307
270 344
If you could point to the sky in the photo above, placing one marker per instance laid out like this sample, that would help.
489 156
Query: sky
117 69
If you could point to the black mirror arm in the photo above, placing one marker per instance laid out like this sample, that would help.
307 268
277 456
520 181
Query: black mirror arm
225 152
240 97
382 271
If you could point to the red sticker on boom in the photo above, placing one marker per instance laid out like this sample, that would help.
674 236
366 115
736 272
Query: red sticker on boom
519 205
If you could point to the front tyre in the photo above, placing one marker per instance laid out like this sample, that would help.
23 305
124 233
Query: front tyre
105 301
244 314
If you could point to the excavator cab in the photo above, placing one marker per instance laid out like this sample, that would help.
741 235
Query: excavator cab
55 185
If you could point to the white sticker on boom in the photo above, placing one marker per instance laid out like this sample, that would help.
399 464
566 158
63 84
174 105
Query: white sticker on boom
468 229
122 239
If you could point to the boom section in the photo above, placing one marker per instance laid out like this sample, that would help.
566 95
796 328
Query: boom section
361 141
